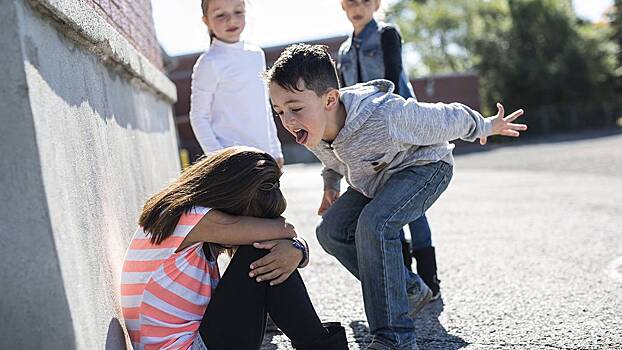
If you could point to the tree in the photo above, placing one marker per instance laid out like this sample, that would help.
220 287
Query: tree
560 66
442 32
532 53
457 36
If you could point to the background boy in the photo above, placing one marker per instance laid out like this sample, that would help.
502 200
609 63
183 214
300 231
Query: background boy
374 51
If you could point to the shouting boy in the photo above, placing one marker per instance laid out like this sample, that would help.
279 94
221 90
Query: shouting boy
396 158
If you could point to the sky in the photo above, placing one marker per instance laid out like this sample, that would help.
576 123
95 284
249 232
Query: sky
272 22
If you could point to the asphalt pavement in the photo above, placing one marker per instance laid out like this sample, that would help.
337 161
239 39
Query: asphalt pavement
529 248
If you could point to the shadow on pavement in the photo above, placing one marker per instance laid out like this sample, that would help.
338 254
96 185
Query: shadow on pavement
361 332
430 332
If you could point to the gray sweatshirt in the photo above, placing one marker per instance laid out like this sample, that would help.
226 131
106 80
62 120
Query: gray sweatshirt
385 134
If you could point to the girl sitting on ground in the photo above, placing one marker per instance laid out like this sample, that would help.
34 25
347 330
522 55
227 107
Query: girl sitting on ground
172 294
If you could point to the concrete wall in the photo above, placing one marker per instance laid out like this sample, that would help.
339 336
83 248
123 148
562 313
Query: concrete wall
86 136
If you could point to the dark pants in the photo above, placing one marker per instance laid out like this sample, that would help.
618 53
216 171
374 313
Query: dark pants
420 234
236 315
421 238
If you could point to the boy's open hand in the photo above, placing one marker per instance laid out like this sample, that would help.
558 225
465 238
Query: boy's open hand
277 265
503 125
330 196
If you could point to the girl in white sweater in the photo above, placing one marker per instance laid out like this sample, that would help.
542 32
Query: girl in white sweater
229 101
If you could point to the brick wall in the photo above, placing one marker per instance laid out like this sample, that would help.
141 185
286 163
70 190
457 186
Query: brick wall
134 20
458 87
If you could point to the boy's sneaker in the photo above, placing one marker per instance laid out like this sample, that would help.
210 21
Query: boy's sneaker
377 345
418 297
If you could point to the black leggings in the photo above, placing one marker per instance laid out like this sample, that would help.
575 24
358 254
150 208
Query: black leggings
236 314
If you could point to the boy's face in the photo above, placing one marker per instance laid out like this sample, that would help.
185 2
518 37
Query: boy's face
304 114
360 12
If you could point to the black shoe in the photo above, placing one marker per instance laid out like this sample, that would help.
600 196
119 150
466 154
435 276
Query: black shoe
426 268
335 340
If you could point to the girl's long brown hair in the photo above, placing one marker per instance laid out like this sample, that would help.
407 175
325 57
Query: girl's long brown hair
236 180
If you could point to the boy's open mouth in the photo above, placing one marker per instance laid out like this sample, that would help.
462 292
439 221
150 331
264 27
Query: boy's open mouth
301 136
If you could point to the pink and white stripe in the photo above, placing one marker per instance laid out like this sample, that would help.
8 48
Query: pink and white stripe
165 294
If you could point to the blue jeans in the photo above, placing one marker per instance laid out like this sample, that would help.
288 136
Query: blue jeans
364 235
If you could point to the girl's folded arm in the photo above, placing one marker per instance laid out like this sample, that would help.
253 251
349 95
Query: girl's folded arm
219 227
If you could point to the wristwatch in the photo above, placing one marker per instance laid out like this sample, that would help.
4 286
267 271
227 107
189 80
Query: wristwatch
296 243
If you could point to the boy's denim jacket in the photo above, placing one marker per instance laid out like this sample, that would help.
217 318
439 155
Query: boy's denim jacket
367 48
384 134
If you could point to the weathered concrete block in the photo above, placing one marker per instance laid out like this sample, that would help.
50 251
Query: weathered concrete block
85 139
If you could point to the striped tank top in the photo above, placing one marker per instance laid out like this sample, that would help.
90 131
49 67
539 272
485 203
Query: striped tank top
165 294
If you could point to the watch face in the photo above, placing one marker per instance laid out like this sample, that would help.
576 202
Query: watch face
298 245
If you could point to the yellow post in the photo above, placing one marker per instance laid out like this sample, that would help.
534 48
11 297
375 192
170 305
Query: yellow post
184 158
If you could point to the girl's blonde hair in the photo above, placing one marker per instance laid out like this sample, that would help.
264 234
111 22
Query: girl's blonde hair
204 5
236 180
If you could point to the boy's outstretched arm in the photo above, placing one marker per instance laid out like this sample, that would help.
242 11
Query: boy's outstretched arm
424 124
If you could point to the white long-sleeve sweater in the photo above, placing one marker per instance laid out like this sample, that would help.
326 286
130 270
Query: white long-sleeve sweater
229 101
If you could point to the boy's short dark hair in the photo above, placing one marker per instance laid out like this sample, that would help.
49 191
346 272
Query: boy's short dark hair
311 63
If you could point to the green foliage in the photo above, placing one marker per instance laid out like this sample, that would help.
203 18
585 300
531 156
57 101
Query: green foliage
438 31
528 53
544 51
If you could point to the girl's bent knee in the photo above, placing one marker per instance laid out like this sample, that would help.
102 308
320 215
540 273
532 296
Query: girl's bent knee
249 253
